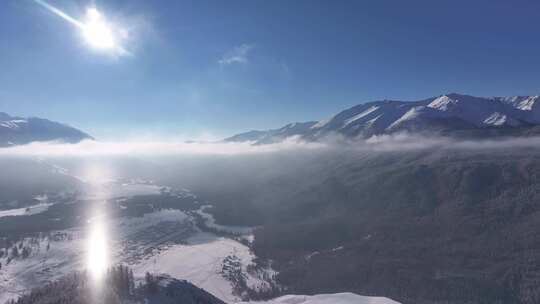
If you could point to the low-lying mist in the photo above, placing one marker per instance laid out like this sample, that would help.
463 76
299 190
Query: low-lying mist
242 172
402 195
378 143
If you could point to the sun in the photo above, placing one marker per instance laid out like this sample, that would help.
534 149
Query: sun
100 34
97 32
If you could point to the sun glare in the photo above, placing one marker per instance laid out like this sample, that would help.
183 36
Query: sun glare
97 32
97 261
101 34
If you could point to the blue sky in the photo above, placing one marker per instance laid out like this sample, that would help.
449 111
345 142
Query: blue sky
214 68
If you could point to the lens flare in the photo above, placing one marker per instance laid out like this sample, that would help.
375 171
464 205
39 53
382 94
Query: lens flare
98 32
96 175
97 260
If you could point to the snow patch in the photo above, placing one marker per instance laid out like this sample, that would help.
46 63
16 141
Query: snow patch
495 119
321 123
359 116
13 124
411 114
442 103
337 298
30 210
524 103
200 261
527 104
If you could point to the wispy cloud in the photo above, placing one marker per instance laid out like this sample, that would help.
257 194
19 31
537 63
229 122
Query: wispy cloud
239 54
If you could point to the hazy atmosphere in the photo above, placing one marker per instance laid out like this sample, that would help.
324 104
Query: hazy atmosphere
269 152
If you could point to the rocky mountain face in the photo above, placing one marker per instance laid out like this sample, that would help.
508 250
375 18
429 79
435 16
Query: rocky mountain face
19 130
447 113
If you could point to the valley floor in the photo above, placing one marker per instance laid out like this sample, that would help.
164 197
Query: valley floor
163 241
186 245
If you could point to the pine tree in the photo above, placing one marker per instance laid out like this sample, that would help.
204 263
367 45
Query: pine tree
151 283
131 282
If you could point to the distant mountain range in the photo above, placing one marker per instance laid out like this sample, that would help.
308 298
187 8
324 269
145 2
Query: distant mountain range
274 135
20 130
446 113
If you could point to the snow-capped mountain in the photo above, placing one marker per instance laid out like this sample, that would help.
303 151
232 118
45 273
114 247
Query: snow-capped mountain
274 135
443 113
19 130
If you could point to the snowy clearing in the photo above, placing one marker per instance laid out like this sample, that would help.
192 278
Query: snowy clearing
34 209
338 298
201 261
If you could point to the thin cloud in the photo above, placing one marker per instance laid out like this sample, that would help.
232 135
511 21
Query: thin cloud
411 142
148 148
402 142
239 54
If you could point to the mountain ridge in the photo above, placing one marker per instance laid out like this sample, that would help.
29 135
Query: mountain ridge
16 130
444 113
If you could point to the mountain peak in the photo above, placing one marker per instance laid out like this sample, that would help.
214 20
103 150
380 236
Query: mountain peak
449 113
18 130
457 95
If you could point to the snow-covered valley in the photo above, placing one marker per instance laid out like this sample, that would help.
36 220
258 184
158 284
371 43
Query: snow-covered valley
161 241
149 228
